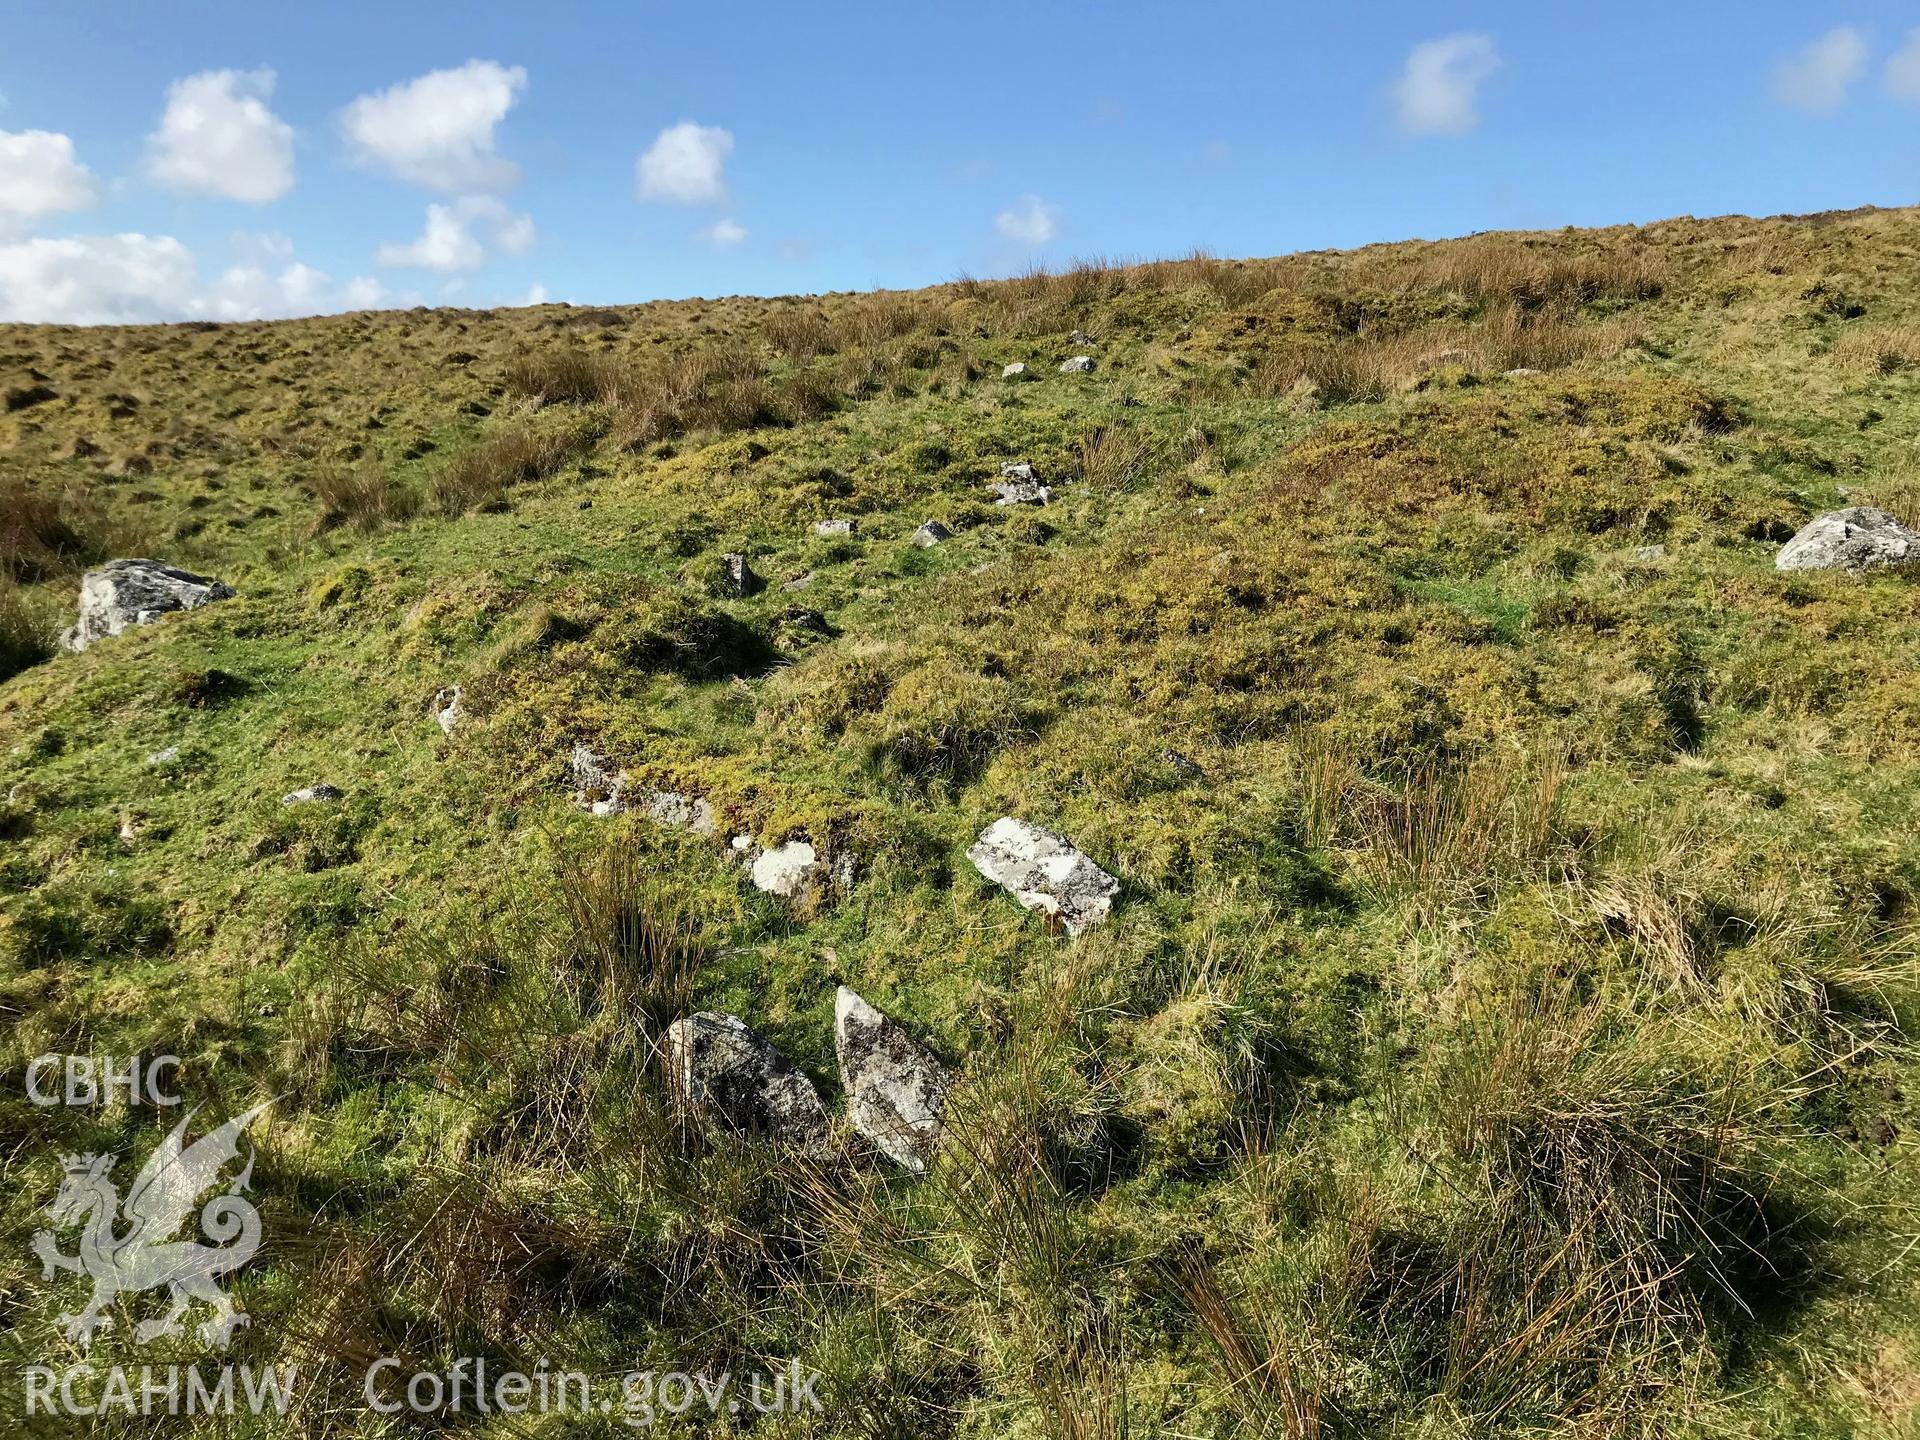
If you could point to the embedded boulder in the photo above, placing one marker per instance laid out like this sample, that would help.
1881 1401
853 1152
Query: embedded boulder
788 870
729 1072
830 528
737 577
1858 538
136 592
931 534
1044 872
1018 485
1016 371
1076 365
896 1090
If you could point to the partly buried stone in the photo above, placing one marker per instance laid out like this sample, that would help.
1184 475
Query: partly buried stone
832 527
597 787
311 794
931 534
446 708
1076 365
788 870
737 577
896 1091
1647 554
1857 538
1016 371
136 592
1045 873
1018 485
682 812
727 1070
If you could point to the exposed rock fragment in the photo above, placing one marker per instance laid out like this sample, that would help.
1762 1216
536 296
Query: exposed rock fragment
1858 538
730 1073
931 534
1045 872
737 577
833 527
896 1090
446 708
1076 365
312 794
136 592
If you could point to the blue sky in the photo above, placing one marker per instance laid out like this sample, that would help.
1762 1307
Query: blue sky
225 159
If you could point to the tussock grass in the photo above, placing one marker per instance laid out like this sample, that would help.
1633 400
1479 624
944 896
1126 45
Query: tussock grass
481 475
364 495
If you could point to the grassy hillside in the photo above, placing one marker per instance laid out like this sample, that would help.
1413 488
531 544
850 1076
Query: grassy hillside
1502 1027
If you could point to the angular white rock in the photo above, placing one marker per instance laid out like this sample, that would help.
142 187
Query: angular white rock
1076 365
447 709
931 534
895 1089
1044 872
786 870
312 793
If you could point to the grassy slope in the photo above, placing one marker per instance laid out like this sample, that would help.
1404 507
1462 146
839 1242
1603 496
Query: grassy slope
1505 1033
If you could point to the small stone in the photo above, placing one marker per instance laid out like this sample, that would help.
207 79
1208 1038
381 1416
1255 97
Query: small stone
447 708
1858 538
799 582
931 534
786 870
1519 373
1080 338
737 577
597 788
896 1091
1020 492
833 527
1044 872
164 756
1076 365
1647 554
312 794
1016 371
729 1072
1018 470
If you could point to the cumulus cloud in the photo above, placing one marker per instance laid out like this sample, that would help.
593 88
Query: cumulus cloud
685 164
437 130
1032 221
725 233
1817 78
1439 86
146 279
39 176
217 137
452 239
1903 69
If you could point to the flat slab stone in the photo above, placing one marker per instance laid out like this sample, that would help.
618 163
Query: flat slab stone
1044 872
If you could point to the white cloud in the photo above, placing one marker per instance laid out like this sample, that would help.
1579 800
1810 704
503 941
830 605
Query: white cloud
686 164
362 292
218 137
1440 83
39 176
449 241
1903 69
437 130
146 279
1818 77
1033 220
725 233
536 295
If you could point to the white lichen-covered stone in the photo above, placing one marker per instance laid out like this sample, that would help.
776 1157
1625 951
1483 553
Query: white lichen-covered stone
1045 872
446 708
786 870
931 534
1076 365
1860 537
312 794
896 1090
832 527
136 592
